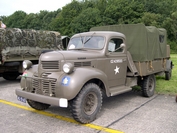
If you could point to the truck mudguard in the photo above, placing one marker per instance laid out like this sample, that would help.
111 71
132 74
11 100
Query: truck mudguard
76 81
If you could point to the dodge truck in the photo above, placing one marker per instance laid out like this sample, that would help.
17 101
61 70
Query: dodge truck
107 60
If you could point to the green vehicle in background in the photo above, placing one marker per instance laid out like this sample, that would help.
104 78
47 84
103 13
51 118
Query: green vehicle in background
108 60
17 45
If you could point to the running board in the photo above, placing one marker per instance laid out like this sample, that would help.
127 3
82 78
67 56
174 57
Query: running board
119 89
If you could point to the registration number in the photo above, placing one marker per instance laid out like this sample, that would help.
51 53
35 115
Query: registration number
22 99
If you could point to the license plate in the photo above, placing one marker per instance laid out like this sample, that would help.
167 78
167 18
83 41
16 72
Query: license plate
22 99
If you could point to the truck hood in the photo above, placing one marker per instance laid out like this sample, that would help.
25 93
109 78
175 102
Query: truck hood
70 55
51 56
74 55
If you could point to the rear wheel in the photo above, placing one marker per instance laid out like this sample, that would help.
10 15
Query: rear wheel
168 75
38 105
10 75
87 104
148 85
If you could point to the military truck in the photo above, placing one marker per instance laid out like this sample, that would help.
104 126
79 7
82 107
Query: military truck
97 63
17 45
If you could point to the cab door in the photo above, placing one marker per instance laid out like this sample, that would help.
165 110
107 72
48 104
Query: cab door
116 63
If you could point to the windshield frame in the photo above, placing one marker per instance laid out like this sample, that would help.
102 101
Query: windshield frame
86 42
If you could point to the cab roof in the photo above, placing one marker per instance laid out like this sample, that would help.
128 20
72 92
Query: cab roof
106 34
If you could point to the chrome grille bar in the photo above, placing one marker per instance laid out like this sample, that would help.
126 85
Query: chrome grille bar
50 64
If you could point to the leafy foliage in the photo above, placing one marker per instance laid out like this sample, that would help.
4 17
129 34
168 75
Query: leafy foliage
85 20
80 16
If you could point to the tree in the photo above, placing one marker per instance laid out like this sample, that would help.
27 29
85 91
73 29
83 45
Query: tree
16 20
30 21
88 18
170 23
63 20
123 11
151 19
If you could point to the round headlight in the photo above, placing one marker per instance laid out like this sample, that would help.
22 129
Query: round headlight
27 64
68 67
24 64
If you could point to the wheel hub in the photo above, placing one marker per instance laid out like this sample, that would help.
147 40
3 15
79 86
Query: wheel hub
90 103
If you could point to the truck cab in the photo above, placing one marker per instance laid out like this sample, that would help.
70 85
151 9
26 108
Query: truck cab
113 55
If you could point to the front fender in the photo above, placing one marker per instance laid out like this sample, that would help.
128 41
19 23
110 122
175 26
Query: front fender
26 82
71 84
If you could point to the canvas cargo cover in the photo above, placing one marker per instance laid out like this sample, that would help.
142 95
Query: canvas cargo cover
145 43
18 42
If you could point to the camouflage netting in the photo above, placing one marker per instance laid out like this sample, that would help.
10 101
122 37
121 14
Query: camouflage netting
14 41
145 43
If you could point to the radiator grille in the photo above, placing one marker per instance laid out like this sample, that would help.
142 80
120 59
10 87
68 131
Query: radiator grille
79 64
50 64
45 85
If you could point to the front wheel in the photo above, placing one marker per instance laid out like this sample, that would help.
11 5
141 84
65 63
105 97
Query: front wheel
38 105
148 85
85 107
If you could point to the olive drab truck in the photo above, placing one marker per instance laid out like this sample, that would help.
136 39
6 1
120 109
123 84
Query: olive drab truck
107 60
17 45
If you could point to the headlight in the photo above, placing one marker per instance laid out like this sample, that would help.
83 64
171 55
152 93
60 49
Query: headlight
27 64
68 67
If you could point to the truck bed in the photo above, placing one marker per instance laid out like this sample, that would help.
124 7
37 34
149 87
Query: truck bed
145 43
18 44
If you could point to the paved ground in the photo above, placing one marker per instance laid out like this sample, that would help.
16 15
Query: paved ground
129 113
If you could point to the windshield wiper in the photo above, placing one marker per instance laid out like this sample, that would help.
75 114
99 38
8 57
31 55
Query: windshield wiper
89 38
81 39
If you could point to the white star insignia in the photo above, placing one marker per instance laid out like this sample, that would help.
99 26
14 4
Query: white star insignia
65 81
117 70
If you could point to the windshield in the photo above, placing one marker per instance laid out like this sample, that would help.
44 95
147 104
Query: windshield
88 42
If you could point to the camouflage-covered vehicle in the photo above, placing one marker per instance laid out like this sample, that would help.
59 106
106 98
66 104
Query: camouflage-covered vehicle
17 45
97 63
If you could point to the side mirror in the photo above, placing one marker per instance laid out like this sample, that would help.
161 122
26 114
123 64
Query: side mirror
121 48
122 45
111 48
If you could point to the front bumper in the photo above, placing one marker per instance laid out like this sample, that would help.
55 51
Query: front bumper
61 102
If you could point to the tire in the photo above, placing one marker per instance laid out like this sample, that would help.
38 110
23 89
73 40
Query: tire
10 75
87 104
38 105
168 75
148 85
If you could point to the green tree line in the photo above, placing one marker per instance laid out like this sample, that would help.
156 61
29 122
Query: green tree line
80 16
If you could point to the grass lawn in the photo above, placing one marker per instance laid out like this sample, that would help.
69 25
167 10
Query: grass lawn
168 87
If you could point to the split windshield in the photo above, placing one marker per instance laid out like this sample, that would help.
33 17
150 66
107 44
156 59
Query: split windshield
86 42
